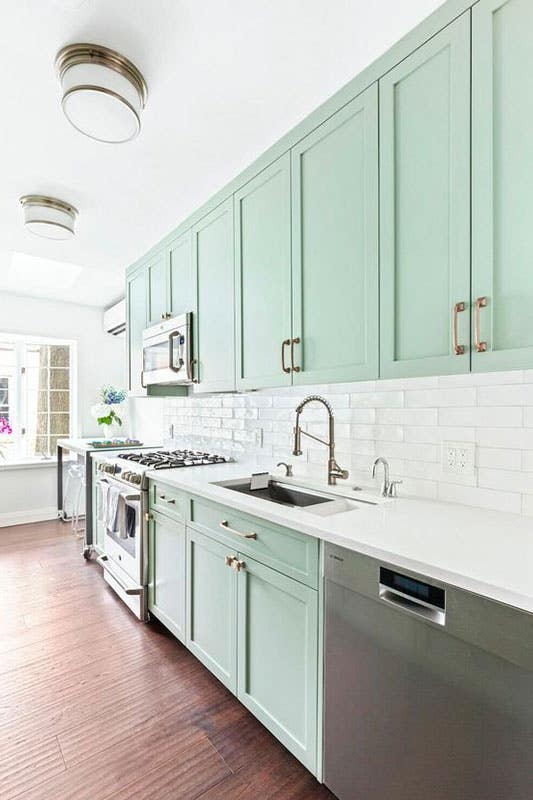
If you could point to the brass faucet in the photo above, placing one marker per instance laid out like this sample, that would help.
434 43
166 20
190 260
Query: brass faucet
334 471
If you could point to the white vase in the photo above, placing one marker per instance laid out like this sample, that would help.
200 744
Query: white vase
112 431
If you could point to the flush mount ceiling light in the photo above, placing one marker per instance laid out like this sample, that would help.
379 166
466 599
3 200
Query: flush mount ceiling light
48 217
103 92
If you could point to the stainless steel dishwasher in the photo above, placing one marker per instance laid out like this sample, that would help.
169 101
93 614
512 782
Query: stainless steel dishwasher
428 689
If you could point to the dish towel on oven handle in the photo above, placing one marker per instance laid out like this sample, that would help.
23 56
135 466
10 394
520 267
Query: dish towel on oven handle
103 489
112 517
132 512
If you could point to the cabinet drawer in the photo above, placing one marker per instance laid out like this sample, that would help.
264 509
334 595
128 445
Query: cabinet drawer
287 551
167 500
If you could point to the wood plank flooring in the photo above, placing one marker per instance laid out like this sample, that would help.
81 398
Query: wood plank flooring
97 706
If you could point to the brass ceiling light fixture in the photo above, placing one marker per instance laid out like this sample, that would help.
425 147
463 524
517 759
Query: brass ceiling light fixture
48 217
104 93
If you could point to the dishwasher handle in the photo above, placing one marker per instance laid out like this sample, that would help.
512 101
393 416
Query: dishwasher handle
413 595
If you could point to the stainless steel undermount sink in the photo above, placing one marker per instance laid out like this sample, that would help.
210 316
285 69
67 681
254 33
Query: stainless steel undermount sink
300 497
279 493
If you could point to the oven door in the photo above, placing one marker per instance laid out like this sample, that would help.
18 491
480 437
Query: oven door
122 519
167 353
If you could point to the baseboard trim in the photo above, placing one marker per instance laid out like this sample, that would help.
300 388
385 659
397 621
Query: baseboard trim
25 517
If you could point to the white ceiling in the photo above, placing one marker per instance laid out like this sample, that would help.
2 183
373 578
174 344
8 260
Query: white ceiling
226 79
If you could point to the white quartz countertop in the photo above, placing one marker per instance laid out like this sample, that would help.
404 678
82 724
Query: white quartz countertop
486 552
86 446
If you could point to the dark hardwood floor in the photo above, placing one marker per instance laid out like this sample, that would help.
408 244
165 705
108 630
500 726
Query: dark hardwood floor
95 705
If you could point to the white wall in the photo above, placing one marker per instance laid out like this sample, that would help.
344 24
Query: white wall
404 420
29 494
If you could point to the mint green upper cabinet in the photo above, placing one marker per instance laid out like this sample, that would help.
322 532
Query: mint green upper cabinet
157 289
136 311
502 183
263 276
215 321
425 207
212 607
180 277
278 656
335 246
166 564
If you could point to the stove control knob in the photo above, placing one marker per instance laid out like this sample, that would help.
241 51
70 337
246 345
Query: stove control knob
110 468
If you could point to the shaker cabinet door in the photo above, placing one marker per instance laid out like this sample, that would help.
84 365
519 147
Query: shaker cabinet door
136 314
425 208
214 331
180 278
157 289
212 607
263 277
166 581
278 656
502 185
335 247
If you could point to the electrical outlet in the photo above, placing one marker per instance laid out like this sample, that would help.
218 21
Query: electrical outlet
458 458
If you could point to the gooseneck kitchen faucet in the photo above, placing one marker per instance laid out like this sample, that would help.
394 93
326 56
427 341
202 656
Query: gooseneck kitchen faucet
334 471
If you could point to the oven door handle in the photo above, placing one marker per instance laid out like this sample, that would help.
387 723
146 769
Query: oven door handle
101 561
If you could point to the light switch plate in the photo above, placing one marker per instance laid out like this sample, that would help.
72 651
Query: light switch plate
458 459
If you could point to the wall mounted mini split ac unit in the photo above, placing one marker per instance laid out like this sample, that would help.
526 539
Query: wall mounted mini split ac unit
115 319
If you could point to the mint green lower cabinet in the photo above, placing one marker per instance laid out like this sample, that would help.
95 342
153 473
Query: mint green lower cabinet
214 339
335 246
167 574
425 207
502 183
278 656
212 607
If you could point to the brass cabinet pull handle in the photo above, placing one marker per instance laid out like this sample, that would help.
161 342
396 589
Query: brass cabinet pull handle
293 342
191 370
224 524
238 564
166 499
229 560
285 343
481 302
459 349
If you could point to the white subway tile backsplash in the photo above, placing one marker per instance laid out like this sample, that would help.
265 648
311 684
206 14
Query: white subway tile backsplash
404 419
377 400
506 480
483 498
528 416
519 395
435 398
513 438
490 417
499 458
483 379
527 460
407 416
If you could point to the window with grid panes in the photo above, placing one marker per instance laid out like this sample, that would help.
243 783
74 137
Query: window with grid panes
36 395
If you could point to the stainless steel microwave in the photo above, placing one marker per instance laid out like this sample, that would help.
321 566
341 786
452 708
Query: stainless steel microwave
167 352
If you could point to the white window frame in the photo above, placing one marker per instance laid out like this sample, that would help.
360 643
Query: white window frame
18 408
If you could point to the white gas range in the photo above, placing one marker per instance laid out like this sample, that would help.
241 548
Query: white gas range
121 506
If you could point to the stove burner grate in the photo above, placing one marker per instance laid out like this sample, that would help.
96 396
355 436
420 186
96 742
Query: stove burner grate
169 459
